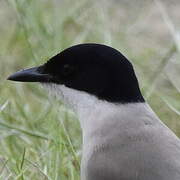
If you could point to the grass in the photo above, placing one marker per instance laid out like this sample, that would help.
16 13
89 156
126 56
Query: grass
41 139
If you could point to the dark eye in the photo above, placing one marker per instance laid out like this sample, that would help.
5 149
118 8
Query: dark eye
67 70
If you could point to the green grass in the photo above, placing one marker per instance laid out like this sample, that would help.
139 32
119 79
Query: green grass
42 140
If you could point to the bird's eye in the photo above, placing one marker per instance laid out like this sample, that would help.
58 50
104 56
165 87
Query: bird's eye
67 70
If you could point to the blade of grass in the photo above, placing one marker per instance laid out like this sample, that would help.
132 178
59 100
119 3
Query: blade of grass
25 131
175 34
26 32
170 106
70 143
39 169
3 167
155 77
3 106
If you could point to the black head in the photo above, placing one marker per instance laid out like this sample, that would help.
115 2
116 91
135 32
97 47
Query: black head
97 69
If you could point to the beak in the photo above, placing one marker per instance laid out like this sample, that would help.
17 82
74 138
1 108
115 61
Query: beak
30 75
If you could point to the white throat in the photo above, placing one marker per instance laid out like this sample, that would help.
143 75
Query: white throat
85 105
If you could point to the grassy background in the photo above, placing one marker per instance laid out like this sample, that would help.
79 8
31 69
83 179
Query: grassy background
40 139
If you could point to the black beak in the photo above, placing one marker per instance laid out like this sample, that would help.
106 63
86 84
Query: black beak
30 75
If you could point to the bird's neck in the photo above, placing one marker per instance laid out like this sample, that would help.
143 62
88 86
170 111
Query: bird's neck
94 113
83 104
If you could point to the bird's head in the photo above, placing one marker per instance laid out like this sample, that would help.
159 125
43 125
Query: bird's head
93 69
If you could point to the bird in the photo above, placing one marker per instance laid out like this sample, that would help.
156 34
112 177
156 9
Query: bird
123 139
